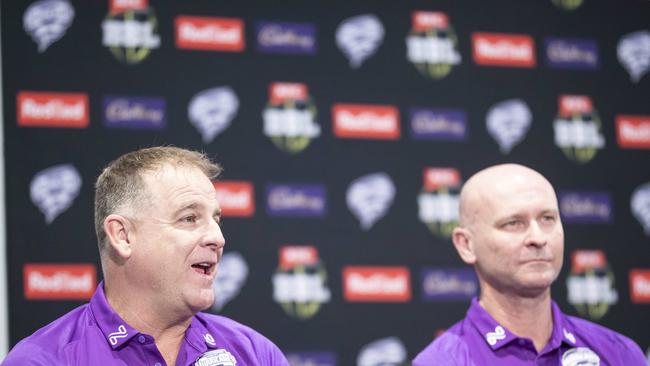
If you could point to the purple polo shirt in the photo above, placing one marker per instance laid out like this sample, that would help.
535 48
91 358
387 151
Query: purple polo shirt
94 334
478 340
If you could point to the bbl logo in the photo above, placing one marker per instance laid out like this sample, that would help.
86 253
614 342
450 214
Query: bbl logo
568 4
590 285
299 284
432 44
577 128
130 32
438 200
290 117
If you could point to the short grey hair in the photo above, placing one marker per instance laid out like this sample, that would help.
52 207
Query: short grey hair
120 186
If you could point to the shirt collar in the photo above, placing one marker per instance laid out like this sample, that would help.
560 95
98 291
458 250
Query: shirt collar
498 336
563 331
198 335
115 329
491 331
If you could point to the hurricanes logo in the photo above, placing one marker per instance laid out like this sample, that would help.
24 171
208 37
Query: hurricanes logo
46 21
232 274
131 34
359 38
580 356
590 285
640 206
290 117
577 128
211 111
438 200
633 53
568 4
386 351
508 123
432 44
54 189
369 198
299 283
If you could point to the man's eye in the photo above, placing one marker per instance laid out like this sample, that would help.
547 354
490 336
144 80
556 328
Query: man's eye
218 220
189 219
548 218
511 224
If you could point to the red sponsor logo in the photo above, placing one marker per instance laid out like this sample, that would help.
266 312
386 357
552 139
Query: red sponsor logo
377 284
435 178
282 92
640 286
633 132
503 49
209 33
574 104
59 281
38 109
119 6
426 20
297 255
235 198
582 260
366 121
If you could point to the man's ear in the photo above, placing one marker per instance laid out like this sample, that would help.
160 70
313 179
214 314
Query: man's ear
120 233
464 244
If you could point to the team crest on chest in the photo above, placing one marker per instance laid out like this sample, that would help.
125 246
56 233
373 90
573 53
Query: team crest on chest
580 356
219 357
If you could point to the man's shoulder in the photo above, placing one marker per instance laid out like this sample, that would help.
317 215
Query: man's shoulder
446 349
244 337
224 325
602 339
47 345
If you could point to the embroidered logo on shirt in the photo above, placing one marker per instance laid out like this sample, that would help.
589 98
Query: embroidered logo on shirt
209 339
385 351
218 357
569 336
121 333
498 334
580 356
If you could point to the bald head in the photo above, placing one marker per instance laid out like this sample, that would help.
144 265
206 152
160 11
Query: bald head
487 187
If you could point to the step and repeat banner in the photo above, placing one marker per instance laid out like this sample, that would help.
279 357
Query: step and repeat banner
346 130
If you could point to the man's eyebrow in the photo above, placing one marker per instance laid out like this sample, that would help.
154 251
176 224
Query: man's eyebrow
188 206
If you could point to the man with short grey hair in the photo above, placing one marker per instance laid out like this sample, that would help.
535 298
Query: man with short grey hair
158 227
510 231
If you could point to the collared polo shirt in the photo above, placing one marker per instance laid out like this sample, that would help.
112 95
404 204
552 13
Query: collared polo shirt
94 334
479 340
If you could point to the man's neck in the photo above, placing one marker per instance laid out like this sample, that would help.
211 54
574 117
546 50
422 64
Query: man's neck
527 317
167 329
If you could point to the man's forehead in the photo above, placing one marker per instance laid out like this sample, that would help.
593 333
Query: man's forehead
171 181
494 188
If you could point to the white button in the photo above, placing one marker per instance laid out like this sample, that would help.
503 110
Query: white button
157 364
142 339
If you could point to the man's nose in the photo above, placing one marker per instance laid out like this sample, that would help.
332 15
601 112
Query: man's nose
214 236
535 235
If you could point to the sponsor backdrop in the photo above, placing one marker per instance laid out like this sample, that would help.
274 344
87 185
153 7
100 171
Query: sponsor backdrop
346 131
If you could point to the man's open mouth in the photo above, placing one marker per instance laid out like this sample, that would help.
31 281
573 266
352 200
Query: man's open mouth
204 267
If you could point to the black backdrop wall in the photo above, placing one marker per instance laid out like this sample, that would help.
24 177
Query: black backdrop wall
345 130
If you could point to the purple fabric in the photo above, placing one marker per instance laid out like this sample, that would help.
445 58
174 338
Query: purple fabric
93 334
479 340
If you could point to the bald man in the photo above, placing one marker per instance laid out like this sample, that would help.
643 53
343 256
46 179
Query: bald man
510 231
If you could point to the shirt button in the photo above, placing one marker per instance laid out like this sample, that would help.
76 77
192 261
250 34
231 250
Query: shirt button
142 339
157 364
522 342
